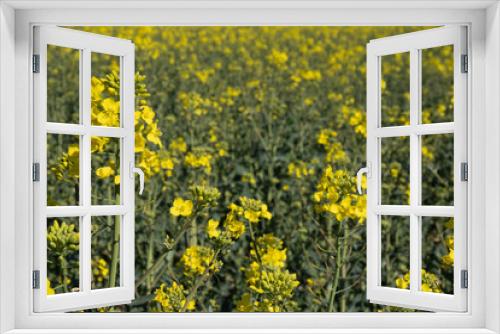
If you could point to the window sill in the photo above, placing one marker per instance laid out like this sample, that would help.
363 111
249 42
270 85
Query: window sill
255 331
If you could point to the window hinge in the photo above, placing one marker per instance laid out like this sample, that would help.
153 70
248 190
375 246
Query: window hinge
464 279
36 63
464 171
36 172
465 64
36 279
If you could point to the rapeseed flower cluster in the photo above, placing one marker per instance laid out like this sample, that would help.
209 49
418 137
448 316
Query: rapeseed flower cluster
270 285
173 298
335 194
449 259
197 105
233 228
299 169
62 238
68 165
252 209
199 159
63 243
430 282
200 260
334 150
100 271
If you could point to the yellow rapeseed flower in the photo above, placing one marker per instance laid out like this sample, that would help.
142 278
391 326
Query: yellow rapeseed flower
199 160
148 114
274 258
181 207
278 58
50 290
234 227
179 145
449 259
212 228
104 172
198 260
254 210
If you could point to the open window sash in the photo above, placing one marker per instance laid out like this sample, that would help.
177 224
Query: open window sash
84 295
414 296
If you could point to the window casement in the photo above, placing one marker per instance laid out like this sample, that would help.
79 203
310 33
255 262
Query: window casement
91 213
409 133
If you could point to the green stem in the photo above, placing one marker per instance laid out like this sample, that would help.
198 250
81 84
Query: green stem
151 244
341 248
159 262
343 297
116 253
333 291
193 234
199 280
64 273
116 235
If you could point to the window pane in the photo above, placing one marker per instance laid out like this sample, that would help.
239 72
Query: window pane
437 84
105 251
63 169
105 170
395 257
395 170
63 84
395 89
437 169
437 254
105 91
63 243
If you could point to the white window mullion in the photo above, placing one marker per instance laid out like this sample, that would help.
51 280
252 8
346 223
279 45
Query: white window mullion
85 174
127 275
373 233
415 174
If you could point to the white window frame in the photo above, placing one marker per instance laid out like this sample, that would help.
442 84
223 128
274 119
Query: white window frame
85 44
16 20
413 44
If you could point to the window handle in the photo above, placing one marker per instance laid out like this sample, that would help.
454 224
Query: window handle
137 170
359 177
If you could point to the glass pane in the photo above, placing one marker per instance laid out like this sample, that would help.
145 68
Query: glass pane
437 84
63 85
395 247
105 170
105 251
105 91
63 243
437 169
437 254
63 169
395 170
395 89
